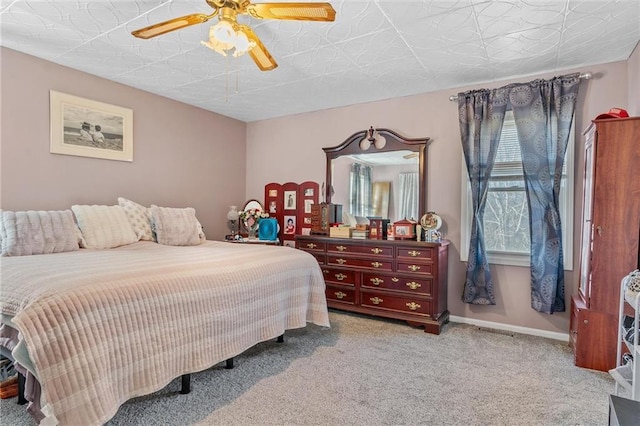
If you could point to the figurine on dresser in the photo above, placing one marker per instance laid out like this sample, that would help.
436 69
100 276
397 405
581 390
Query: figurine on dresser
431 223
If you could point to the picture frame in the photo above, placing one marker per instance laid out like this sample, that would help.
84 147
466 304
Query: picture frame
289 225
289 200
307 206
273 193
308 192
87 128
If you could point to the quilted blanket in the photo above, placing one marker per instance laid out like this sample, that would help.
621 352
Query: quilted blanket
104 326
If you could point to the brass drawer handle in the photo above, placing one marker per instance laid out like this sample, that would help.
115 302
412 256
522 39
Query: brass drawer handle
413 306
341 248
340 277
311 245
325 271
376 300
413 285
376 281
376 264
341 261
376 250
414 268
414 253
340 295
395 280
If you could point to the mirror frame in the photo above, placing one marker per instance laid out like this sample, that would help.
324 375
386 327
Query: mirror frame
395 142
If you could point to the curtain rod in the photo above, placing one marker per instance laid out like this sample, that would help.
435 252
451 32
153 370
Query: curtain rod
583 76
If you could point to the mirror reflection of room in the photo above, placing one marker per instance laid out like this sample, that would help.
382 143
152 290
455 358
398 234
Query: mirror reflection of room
383 185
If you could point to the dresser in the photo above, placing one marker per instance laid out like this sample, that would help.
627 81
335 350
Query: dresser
405 280
609 246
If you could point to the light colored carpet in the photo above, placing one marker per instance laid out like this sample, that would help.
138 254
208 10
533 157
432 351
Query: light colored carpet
368 371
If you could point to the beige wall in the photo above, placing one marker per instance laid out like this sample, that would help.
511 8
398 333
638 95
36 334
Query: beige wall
289 149
183 156
633 71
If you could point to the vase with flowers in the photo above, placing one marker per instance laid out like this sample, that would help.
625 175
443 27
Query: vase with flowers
251 220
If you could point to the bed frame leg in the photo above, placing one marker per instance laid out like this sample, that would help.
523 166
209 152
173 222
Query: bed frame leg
229 365
186 384
21 383
281 338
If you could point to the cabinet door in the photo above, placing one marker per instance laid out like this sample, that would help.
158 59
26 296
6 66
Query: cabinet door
616 210
587 222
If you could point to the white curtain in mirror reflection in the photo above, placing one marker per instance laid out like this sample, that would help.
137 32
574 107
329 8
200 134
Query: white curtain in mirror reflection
360 190
408 203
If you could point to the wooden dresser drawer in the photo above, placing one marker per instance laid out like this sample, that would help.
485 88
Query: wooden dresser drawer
421 286
424 253
338 276
341 294
394 302
311 246
378 264
414 267
357 249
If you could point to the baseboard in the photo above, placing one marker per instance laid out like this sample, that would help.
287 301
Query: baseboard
514 328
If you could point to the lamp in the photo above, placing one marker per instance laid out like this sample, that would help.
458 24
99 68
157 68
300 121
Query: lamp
233 217
225 36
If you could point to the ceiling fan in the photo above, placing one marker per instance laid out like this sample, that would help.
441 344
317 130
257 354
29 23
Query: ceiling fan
228 35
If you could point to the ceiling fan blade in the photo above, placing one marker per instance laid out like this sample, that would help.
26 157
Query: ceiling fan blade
294 11
171 25
259 53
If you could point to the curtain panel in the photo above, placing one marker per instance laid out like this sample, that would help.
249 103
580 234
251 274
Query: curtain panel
481 115
543 111
360 190
408 196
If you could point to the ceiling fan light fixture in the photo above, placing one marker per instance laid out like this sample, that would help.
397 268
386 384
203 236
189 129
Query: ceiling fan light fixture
223 31
243 44
224 37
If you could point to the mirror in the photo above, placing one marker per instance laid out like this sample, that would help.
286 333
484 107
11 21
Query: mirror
249 220
378 173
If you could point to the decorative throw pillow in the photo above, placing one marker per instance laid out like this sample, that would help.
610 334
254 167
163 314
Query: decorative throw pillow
176 227
104 226
140 218
30 232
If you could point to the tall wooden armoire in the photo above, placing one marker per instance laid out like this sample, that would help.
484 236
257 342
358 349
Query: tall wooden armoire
609 245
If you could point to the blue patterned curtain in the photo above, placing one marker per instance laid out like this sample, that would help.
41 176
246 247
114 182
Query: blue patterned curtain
481 114
543 111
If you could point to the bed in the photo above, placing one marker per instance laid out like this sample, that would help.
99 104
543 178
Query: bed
100 326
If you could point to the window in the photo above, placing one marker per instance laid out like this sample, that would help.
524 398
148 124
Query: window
506 217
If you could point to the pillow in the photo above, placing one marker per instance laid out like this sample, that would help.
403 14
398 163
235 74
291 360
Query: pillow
104 226
140 218
38 232
176 227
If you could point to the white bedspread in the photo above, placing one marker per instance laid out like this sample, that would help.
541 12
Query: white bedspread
103 326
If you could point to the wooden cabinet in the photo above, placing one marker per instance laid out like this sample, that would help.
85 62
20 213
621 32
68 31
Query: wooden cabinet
405 280
610 229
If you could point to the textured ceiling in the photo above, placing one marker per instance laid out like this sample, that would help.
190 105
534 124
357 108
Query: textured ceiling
374 50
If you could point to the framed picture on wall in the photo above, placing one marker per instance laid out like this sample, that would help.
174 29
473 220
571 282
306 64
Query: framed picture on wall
89 128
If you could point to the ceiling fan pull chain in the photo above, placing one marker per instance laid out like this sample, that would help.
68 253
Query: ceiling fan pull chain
237 78
226 83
